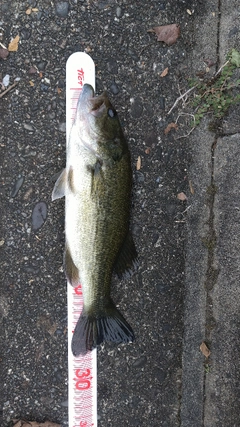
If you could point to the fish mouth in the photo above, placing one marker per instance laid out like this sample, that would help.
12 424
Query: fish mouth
88 103
86 94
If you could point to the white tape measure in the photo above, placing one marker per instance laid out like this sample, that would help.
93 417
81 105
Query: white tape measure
82 370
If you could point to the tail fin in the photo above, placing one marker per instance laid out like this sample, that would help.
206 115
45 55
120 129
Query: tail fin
91 330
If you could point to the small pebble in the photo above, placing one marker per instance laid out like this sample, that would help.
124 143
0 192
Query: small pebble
32 70
29 127
62 127
3 53
43 87
233 32
140 362
17 185
114 88
139 177
162 6
163 288
6 80
136 108
26 33
118 12
162 103
41 65
61 9
133 55
39 215
160 375
112 66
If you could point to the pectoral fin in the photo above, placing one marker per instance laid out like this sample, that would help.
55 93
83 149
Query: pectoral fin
59 189
127 259
70 179
71 270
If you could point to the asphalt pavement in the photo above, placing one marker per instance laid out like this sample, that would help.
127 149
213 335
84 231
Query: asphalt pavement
185 213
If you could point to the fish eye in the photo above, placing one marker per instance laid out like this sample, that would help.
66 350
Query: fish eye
111 113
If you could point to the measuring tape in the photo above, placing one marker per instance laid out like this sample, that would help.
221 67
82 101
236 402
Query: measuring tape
82 370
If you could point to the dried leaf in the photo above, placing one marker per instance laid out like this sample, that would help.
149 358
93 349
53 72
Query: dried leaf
138 166
182 196
205 350
31 83
169 127
191 187
29 11
34 9
147 151
164 73
167 33
13 45
32 70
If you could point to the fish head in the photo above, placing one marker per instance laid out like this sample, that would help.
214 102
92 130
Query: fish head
98 125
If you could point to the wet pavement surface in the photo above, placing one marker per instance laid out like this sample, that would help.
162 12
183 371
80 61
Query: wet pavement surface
138 384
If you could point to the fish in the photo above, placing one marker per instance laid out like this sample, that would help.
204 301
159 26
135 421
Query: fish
97 185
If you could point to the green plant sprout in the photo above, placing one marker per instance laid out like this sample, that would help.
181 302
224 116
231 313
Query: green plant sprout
216 94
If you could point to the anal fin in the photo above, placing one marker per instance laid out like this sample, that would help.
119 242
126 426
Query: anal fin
71 270
127 259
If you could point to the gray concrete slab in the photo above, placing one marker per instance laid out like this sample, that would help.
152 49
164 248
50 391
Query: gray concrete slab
222 391
197 256
193 381
210 393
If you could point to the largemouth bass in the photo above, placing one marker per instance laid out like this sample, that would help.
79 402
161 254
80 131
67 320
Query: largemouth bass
97 185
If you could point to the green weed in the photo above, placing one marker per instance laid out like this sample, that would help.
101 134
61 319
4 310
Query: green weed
216 95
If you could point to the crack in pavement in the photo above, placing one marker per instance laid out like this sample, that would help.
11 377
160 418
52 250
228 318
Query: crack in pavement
210 242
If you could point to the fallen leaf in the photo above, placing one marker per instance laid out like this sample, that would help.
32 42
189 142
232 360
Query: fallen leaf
205 350
3 53
182 196
164 73
167 33
23 423
191 187
31 83
28 11
209 62
169 127
32 70
88 49
13 45
34 9
147 151
138 166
